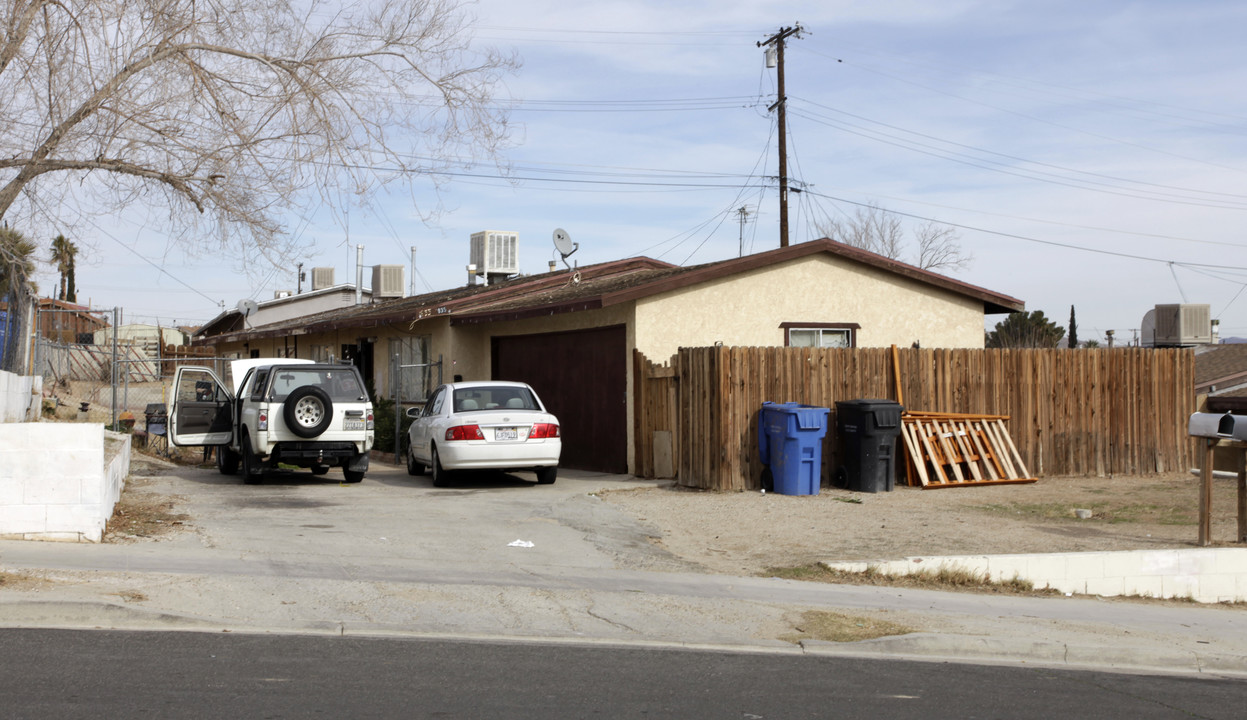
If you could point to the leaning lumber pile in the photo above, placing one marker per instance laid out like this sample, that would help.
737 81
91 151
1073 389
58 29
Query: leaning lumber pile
957 449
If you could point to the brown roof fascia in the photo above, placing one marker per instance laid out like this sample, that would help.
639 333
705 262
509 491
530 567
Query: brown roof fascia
449 302
511 290
993 302
594 303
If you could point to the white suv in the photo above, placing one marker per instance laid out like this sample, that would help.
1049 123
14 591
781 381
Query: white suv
288 411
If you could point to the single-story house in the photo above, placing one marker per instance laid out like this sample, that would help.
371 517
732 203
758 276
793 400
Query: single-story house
571 333
67 323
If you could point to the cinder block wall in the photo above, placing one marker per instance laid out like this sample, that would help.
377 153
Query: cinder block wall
19 397
53 481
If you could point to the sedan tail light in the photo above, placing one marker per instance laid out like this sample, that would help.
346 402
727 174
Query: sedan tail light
544 430
465 432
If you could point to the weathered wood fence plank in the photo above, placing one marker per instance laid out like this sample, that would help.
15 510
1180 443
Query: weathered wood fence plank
1072 412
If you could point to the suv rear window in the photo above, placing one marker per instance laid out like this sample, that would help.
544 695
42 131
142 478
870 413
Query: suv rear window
341 384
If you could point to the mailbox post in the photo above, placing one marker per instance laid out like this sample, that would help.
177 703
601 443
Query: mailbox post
1213 429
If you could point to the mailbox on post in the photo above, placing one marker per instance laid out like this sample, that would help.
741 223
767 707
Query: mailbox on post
1218 427
1214 428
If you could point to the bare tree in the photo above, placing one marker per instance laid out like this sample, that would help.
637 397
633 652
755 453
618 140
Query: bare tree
237 110
879 231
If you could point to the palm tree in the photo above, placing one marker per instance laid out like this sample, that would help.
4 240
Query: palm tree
16 264
63 252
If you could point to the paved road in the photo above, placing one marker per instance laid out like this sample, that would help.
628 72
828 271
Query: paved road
393 555
94 674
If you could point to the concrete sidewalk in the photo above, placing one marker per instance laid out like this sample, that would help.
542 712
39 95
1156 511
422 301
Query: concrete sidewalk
395 556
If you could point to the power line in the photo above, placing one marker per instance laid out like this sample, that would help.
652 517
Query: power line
1053 243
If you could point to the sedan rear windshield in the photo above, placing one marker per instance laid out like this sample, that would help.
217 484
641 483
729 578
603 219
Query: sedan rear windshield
491 397
342 385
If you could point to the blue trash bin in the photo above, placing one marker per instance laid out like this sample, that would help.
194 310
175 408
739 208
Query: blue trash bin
790 443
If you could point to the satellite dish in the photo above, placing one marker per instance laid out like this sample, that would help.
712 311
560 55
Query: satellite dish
247 307
563 243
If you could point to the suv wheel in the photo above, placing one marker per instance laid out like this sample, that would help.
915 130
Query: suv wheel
226 460
252 472
308 411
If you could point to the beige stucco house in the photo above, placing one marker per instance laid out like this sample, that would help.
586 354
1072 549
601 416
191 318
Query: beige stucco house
571 333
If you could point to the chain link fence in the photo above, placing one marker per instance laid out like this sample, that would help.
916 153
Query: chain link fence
119 384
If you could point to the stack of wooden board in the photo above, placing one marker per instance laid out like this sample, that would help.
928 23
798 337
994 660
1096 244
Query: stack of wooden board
955 449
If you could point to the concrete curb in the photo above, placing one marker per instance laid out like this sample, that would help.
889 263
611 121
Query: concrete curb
1026 653
926 647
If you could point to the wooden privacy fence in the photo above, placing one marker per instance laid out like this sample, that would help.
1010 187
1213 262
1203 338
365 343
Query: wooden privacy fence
1071 412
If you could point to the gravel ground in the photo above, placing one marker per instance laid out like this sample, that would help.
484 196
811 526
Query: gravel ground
749 532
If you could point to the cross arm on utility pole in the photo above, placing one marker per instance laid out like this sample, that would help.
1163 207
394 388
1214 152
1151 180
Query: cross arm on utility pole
776 42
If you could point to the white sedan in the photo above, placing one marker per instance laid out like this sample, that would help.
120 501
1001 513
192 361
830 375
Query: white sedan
483 426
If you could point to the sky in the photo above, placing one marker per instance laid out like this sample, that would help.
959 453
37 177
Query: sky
1091 155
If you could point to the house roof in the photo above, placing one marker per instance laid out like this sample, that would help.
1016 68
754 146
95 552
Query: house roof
1222 366
593 287
231 320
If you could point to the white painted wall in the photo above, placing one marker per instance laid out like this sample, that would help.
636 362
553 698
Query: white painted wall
1207 575
19 397
54 484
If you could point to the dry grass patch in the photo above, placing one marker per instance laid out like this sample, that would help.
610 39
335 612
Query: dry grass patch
934 579
141 514
11 580
838 627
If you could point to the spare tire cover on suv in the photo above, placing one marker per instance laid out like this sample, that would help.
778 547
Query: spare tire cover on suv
308 411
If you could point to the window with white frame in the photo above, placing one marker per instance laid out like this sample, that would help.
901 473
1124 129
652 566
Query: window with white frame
820 335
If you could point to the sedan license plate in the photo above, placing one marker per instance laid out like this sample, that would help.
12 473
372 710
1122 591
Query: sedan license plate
506 433
353 424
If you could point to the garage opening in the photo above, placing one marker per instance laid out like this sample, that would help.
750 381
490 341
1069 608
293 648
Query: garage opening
581 377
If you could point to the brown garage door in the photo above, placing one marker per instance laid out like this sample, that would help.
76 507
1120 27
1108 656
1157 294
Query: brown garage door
580 376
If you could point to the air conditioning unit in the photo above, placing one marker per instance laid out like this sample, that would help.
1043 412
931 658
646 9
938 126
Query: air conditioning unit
322 278
496 253
387 281
1183 324
279 294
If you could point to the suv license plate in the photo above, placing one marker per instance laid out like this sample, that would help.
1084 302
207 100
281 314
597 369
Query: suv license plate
507 433
353 424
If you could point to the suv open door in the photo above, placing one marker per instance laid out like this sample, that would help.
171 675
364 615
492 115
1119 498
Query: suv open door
202 408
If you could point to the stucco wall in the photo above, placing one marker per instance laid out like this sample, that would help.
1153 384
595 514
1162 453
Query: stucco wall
54 484
747 310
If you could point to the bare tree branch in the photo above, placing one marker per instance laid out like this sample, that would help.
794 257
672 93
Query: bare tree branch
879 231
239 110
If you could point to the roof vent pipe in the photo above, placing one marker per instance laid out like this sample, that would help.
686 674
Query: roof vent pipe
471 274
359 274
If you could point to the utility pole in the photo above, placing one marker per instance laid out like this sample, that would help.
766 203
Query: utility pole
744 213
775 44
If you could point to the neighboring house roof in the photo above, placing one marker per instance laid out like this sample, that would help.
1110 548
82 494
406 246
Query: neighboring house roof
598 286
1222 369
82 310
231 320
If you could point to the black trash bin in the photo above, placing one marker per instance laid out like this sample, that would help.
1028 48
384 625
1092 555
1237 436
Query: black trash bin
867 432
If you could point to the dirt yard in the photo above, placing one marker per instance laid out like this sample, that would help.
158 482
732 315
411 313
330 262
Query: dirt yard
747 533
